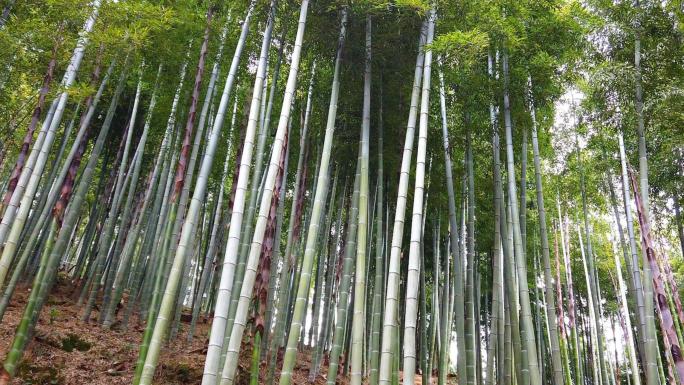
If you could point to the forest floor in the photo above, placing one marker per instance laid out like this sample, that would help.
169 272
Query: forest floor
68 351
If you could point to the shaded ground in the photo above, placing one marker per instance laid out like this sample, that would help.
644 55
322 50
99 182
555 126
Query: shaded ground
67 351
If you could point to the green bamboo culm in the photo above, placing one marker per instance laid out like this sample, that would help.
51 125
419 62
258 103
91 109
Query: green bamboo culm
45 278
378 283
390 335
235 342
218 327
411 310
188 228
527 327
556 364
359 304
316 213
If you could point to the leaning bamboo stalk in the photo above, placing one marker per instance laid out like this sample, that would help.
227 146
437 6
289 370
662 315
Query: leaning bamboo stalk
117 285
41 287
186 162
56 198
273 291
257 176
18 208
112 217
321 270
210 258
334 261
185 239
261 284
218 326
35 117
275 261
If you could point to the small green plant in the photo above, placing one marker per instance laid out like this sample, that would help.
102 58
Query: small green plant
73 342
54 314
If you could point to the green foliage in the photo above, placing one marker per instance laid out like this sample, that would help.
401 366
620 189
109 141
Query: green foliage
54 313
420 7
73 342
467 46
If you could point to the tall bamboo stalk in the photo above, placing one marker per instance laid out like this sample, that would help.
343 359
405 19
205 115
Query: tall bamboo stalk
19 204
378 284
594 300
359 315
117 286
497 308
349 250
169 296
283 290
631 350
218 325
651 345
231 361
417 216
45 279
670 338
471 333
527 328
318 205
257 174
549 295
390 335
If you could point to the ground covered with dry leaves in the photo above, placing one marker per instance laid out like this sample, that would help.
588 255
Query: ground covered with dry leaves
67 351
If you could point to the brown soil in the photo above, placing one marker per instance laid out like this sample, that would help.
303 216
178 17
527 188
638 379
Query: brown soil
67 351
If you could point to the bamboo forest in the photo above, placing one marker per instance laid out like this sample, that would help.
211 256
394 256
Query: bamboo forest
380 192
